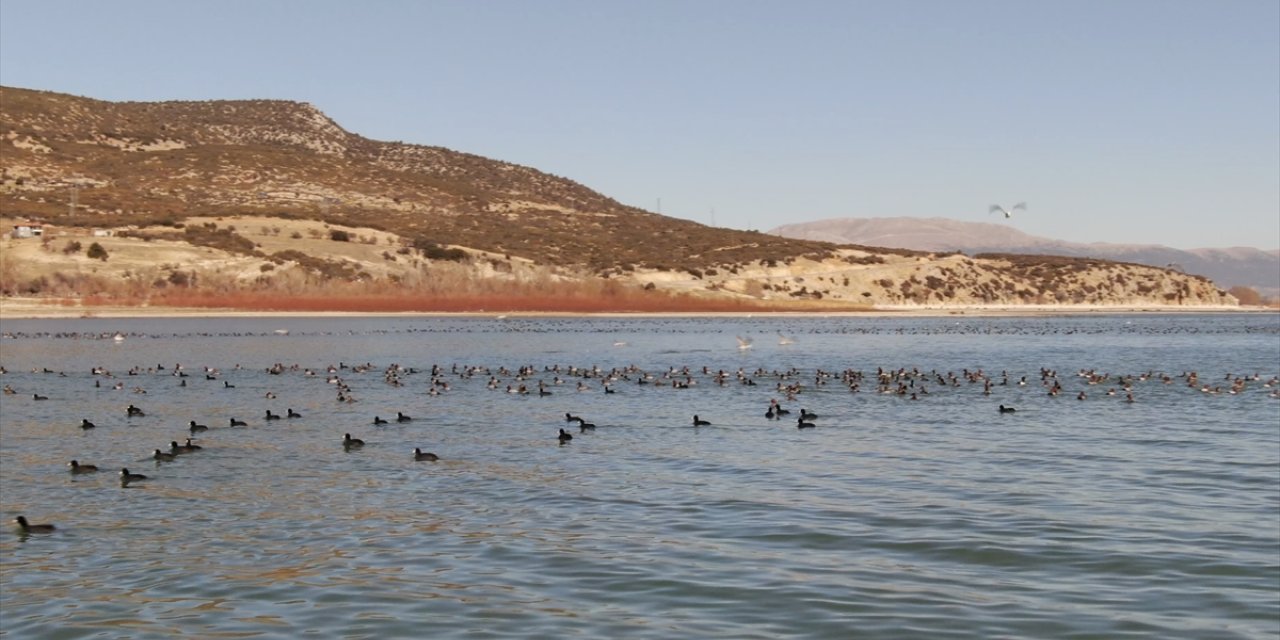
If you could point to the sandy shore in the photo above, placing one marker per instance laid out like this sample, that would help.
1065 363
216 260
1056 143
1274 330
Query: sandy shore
27 308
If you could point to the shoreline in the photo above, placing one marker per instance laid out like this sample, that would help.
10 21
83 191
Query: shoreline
28 309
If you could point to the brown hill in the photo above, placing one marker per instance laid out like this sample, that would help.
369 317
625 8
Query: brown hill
273 197
140 163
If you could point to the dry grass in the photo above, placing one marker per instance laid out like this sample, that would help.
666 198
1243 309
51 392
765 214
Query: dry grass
308 271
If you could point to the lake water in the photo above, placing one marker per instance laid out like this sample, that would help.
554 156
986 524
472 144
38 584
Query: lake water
932 517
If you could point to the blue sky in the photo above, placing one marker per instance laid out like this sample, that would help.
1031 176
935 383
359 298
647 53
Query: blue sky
1127 121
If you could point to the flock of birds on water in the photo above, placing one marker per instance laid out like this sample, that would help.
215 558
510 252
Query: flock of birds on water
907 383
957 325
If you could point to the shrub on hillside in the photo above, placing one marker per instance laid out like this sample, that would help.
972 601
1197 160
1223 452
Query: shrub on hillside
1246 295
433 251
209 235
97 252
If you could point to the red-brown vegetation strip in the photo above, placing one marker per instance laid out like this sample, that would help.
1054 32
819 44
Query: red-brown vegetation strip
383 303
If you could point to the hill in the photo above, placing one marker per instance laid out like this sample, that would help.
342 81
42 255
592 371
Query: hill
274 199
158 163
1228 267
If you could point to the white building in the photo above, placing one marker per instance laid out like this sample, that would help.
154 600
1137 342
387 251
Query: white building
27 230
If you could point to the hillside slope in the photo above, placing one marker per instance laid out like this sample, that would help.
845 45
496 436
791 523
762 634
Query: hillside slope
274 197
139 163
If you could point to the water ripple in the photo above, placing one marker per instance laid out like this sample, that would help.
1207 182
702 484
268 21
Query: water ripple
894 518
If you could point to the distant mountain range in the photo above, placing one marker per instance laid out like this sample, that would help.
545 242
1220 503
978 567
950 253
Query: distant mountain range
1234 266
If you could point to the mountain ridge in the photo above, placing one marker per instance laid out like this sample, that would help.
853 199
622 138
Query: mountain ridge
182 158
274 197
1227 266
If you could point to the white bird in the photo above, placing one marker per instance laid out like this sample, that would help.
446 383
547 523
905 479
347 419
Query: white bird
784 339
1008 213
744 343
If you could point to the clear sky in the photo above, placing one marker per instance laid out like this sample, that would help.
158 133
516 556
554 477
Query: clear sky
1131 121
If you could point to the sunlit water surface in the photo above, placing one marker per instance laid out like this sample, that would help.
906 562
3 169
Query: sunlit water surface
937 517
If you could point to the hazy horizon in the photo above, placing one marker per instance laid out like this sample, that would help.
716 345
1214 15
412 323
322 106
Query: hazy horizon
1272 249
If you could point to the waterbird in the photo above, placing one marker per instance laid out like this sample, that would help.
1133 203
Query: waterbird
197 428
126 477
133 411
76 467
1004 409
294 414
379 420
801 424
805 414
698 422
419 454
272 416
400 417
36 396
178 449
1008 213
743 343
348 442
27 527
565 436
238 423
161 456
85 424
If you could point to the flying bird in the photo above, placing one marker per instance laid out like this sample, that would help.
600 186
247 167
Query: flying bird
1008 213
744 343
